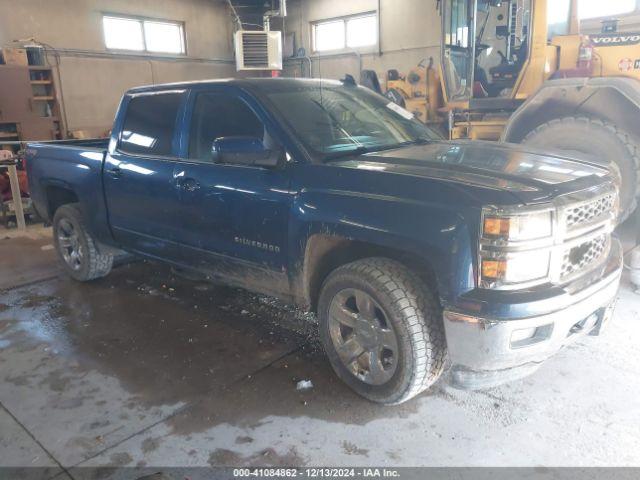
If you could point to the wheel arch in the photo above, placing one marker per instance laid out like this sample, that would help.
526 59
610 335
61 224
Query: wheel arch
57 195
324 253
612 99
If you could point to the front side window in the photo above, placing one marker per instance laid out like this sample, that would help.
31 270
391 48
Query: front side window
216 115
141 35
331 120
349 32
149 124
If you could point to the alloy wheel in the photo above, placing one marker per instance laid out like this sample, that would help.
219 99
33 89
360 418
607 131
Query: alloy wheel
363 337
69 244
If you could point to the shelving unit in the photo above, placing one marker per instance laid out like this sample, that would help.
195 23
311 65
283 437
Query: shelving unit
29 107
9 132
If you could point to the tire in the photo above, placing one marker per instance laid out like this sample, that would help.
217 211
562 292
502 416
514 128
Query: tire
70 234
405 307
599 142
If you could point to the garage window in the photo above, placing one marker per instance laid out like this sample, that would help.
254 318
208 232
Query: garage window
143 35
347 32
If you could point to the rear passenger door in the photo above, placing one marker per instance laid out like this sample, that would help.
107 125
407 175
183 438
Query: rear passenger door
138 174
235 218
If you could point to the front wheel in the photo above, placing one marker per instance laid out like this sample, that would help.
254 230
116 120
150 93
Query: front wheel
76 247
382 329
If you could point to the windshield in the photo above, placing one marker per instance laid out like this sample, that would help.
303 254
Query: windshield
333 120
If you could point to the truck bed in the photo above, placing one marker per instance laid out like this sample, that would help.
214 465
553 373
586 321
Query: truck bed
89 143
68 170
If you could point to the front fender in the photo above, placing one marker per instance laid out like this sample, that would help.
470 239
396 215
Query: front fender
438 235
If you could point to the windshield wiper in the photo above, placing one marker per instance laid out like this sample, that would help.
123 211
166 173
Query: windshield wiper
417 141
361 150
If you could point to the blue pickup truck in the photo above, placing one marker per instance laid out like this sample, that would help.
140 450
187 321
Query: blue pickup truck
417 253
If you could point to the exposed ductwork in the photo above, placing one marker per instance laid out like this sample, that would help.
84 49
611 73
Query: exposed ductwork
280 12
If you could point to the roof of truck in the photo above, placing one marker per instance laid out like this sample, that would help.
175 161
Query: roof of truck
257 83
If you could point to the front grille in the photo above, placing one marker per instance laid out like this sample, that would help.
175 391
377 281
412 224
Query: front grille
589 212
583 256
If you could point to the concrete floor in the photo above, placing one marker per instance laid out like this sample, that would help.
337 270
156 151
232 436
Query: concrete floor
143 368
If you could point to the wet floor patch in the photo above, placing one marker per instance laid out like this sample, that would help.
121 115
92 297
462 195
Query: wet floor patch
553 417
145 368
268 457
102 360
24 260
272 393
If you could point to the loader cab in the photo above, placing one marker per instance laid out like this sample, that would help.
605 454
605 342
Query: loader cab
486 45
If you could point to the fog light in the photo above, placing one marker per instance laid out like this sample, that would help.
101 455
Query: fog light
523 334
526 337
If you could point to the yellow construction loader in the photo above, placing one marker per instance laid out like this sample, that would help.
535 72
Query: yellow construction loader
520 71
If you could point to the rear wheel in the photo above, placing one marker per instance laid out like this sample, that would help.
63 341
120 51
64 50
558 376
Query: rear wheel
381 327
76 247
599 142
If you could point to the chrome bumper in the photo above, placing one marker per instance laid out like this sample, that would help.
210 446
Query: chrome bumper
485 352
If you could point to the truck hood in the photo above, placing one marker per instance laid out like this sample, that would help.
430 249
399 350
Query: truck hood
532 176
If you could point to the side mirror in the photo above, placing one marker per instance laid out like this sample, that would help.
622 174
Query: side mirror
241 150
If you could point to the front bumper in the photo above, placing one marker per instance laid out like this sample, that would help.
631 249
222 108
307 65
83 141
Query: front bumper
485 352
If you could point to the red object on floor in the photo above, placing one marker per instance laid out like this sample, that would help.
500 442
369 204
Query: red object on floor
5 187
23 180
5 184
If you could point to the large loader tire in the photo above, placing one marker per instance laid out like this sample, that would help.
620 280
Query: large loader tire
599 142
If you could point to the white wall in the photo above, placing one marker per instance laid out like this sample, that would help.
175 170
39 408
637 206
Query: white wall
94 79
410 32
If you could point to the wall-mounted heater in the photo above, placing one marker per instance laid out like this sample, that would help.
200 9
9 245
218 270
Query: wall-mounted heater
258 50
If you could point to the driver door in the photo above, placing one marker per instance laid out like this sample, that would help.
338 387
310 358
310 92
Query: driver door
235 218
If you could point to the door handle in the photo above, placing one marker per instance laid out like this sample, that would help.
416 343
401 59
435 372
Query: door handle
115 172
188 184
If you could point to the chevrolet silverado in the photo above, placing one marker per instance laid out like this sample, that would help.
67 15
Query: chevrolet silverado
416 253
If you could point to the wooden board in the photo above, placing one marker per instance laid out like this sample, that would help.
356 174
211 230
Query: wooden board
15 56
14 93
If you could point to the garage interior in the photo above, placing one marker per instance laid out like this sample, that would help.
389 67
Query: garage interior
148 369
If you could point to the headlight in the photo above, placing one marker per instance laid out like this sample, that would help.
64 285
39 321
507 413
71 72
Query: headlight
513 245
521 267
517 228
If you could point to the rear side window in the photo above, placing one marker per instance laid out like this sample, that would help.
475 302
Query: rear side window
150 123
216 115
